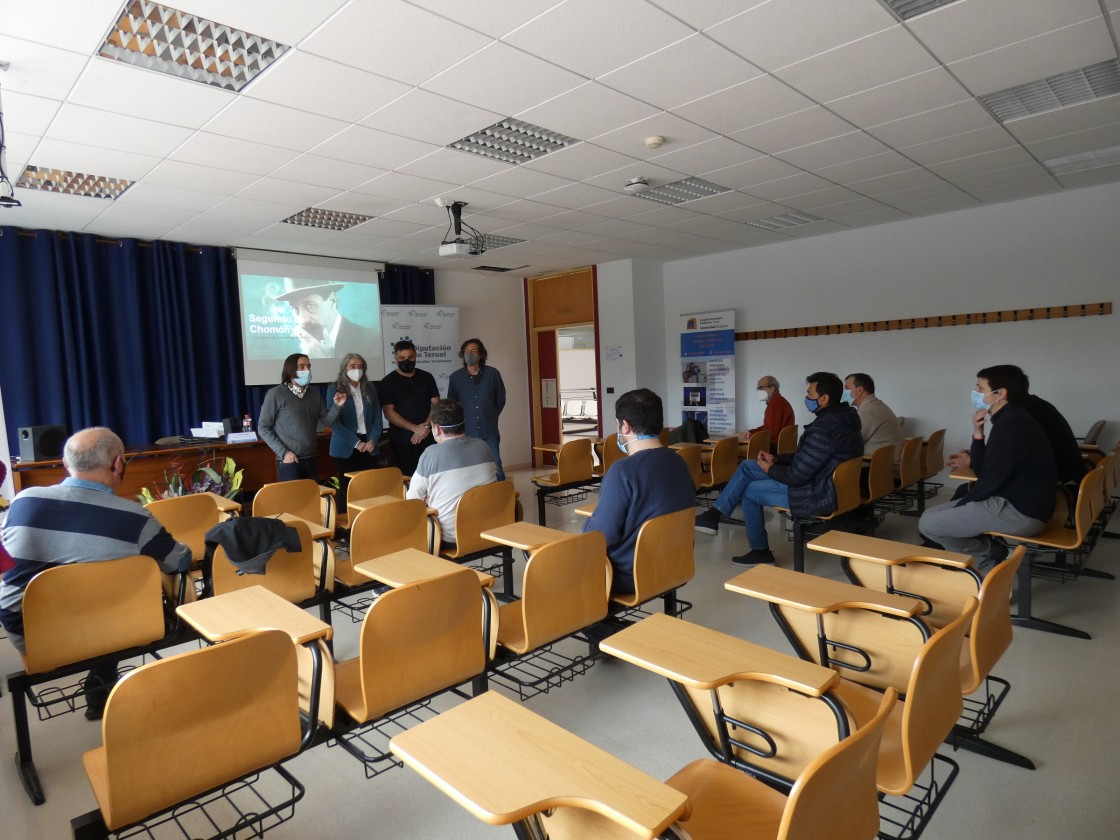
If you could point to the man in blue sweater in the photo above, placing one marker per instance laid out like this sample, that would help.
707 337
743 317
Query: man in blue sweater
651 482
801 482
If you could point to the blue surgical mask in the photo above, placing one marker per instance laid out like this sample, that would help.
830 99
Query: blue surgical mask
812 405
303 378
622 445
978 401
847 396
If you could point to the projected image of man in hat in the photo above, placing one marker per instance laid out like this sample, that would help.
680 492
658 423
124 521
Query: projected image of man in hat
322 331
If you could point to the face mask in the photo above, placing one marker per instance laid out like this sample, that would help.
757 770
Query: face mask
407 366
354 374
763 396
847 396
623 444
812 405
303 378
978 402
470 358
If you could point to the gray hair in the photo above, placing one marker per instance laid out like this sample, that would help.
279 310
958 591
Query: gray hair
91 450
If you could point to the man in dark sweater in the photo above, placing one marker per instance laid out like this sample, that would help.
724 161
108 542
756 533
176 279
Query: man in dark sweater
652 481
801 482
1016 477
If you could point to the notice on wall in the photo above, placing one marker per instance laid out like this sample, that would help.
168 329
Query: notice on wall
708 370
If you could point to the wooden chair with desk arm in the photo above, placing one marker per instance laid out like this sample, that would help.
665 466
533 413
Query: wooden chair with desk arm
369 484
482 509
691 452
876 642
499 761
758 442
877 481
118 606
564 590
664 561
845 479
933 460
907 474
417 640
718 461
942 581
574 474
196 722
786 444
607 452
188 518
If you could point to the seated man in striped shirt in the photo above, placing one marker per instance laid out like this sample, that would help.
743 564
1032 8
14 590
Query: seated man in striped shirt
447 471
81 520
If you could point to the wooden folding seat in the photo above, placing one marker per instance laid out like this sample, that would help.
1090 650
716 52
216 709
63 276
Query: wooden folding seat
574 468
304 498
845 479
187 519
381 530
787 441
368 484
880 475
74 617
692 452
181 727
608 453
663 560
758 442
480 509
723 460
289 574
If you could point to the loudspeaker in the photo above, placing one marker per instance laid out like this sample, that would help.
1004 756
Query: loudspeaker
41 443
231 425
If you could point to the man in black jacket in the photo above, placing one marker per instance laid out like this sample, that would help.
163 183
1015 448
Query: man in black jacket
1016 477
801 482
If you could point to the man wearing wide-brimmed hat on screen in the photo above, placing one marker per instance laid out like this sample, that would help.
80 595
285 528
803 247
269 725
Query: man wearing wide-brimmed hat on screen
323 333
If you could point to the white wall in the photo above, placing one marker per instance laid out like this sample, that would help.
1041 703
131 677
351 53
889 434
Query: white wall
617 302
493 309
1059 249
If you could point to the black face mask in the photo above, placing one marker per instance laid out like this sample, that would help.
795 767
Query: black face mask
407 366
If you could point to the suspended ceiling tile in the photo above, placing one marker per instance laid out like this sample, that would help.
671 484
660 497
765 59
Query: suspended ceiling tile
420 214
492 17
453 165
796 184
717 153
485 80
1060 51
111 163
799 129
623 31
985 162
1080 117
313 84
968 28
763 34
874 61
77 27
40 70
657 77
140 221
630 140
900 98
581 161
154 195
54 211
325 172
1016 191
1032 172
286 21
435 119
745 105
519 182
362 204
869 167
656 175
577 196
1076 143
221 152
191 176
1091 177
28 114
267 213
959 145
855 145
824 197
78 124
404 187
213 229
125 89
743 176
588 110
282 190
962 117
275 125
525 211
393 39
894 181
370 147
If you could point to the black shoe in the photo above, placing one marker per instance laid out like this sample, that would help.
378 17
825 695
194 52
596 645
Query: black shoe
95 712
755 557
97 695
708 521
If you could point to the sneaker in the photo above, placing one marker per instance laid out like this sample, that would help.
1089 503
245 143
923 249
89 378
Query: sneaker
754 557
708 521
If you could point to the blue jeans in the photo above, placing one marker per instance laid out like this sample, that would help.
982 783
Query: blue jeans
303 468
754 490
493 442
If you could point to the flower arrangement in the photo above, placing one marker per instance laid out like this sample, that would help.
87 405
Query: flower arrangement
204 479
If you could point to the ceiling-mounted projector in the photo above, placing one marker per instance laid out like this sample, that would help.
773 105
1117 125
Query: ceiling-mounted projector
636 185
454 249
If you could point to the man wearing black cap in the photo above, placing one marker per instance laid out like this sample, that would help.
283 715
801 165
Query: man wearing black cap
322 331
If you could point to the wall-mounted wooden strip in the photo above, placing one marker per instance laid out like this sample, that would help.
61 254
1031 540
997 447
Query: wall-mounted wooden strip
1082 310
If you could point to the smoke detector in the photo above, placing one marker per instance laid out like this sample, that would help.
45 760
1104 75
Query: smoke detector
654 141
636 185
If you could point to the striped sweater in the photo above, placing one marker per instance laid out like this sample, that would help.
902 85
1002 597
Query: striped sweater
446 472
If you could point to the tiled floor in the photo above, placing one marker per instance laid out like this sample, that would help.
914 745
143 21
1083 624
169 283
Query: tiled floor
1061 712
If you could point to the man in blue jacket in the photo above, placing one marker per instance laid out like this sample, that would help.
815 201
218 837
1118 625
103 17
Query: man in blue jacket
801 482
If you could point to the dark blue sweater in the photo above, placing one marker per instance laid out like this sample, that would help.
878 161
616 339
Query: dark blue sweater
648 483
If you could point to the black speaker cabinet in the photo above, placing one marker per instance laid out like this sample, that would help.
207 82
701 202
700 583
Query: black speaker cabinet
41 443
231 425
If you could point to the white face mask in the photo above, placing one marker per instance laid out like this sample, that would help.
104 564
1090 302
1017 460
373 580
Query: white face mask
354 374
763 396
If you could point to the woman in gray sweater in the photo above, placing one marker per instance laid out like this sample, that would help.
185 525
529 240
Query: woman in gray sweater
291 416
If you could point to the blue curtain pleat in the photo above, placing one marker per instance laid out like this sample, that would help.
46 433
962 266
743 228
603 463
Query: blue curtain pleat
144 338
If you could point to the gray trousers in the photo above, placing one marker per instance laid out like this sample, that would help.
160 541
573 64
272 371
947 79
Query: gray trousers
962 528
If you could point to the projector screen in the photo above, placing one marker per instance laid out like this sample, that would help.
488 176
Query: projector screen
294 303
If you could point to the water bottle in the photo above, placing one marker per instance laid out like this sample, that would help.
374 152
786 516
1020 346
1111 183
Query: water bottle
247 423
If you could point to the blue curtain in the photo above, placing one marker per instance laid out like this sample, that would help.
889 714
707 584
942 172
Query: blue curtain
141 337
144 338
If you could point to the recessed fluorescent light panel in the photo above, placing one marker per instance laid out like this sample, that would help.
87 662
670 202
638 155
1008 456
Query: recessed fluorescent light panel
1084 161
907 9
679 192
499 269
513 141
1061 91
785 221
491 242
326 219
188 46
72 183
